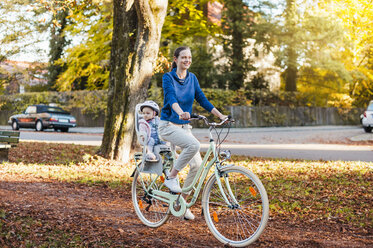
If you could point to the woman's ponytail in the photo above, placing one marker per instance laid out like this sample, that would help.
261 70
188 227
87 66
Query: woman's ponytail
173 65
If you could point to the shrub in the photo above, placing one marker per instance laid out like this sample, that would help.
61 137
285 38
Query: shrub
94 102
89 101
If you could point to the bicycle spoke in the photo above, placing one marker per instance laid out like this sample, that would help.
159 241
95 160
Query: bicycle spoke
219 204
247 198
217 194
245 220
238 227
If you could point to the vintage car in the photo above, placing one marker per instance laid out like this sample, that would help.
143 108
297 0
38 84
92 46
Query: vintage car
42 117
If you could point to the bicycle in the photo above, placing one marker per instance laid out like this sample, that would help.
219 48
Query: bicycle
234 201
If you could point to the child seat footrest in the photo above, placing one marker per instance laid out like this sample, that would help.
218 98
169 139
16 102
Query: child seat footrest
164 148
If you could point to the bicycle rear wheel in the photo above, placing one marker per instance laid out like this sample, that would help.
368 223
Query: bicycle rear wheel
241 222
151 211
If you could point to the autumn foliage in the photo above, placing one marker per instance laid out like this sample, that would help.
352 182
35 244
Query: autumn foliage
63 195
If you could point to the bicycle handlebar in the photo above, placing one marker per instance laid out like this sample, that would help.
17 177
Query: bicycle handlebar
201 117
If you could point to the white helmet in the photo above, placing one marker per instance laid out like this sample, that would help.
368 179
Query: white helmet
150 104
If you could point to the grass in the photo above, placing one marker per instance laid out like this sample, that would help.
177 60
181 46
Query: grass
93 170
333 191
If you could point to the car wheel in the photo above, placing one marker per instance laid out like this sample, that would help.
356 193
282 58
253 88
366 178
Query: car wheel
39 126
64 129
367 129
15 125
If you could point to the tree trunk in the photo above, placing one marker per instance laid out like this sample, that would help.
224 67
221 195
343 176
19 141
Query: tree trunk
136 36
57 44
238 60
291 71
291 63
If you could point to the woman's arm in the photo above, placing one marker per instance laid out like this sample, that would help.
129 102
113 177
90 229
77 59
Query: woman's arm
205 103
217 113
168 89
182 115
186 116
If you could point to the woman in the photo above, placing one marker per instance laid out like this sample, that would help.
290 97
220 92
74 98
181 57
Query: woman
181 88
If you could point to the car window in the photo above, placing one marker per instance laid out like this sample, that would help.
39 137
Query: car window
370 107
54 110
31 110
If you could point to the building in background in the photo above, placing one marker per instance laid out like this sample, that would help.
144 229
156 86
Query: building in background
19 76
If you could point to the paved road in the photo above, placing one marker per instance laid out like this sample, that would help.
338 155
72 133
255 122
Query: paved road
314 143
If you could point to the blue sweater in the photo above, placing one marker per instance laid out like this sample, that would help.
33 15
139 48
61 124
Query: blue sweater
183 92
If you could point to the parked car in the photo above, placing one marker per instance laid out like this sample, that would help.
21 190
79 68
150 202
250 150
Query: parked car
42 117
367 120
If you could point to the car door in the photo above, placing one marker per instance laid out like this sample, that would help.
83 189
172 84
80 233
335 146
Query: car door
28 117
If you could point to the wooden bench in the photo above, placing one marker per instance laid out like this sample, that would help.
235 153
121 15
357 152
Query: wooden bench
8 139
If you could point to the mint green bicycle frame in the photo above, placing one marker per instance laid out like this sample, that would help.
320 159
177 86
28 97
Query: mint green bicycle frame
201 176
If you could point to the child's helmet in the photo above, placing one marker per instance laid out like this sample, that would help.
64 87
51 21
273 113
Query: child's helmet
150 104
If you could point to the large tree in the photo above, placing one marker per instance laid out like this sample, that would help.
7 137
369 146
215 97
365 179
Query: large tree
135 44
245 25
357 53
137 26
87 63
308 39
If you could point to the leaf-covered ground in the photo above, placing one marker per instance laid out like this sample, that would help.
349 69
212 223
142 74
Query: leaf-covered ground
58 195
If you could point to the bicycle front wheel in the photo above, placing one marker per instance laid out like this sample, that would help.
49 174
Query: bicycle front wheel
151 211
242 221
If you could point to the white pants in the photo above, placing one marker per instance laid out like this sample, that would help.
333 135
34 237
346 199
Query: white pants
181 135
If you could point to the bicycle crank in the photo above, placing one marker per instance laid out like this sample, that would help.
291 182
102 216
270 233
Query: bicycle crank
177 204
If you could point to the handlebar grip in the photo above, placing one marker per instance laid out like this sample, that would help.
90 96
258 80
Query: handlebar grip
194 116
230 118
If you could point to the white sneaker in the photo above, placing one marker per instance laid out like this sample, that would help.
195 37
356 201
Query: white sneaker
189 215
173 184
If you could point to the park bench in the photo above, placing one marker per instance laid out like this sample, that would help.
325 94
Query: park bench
8 139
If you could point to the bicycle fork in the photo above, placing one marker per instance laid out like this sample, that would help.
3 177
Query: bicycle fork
232 203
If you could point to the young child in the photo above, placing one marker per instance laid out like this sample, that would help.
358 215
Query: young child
149 125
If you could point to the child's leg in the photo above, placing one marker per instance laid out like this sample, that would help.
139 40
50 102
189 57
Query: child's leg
150 147
151 144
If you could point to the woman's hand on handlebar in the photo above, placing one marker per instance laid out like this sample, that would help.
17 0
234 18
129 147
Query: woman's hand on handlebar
184 116
223 117
217 113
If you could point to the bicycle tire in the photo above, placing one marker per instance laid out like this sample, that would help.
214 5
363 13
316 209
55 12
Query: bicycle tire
150 211
241 226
